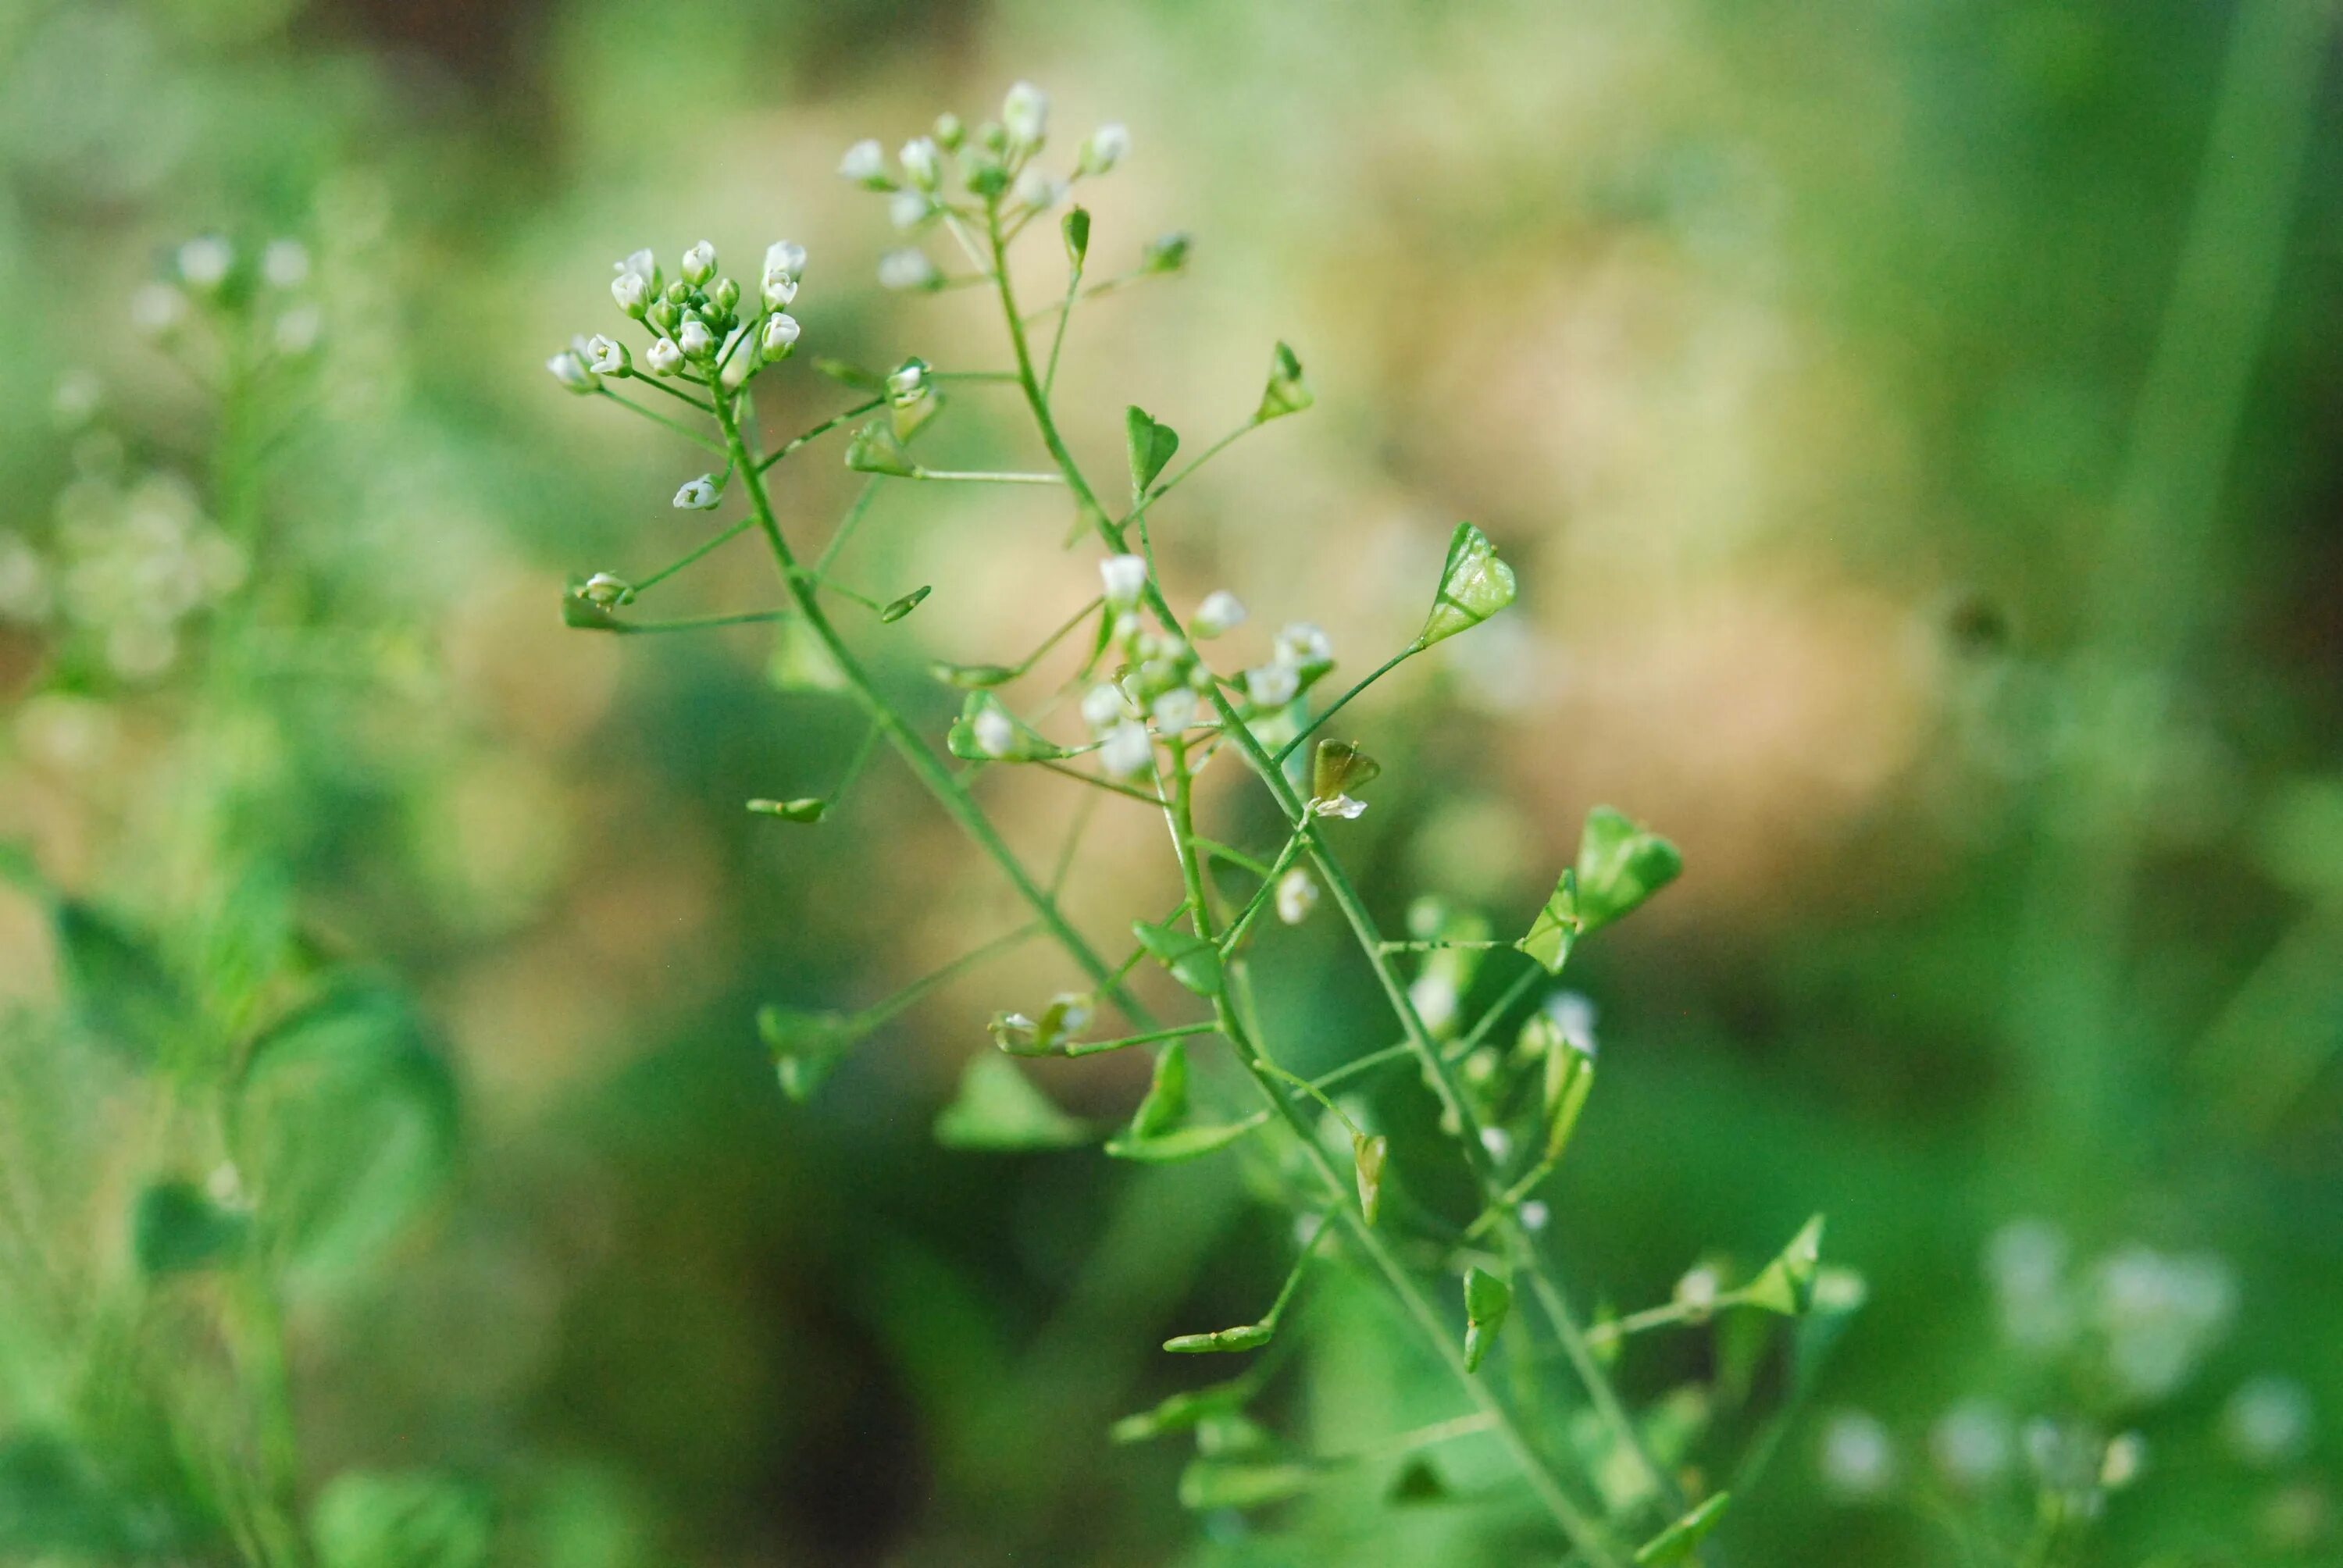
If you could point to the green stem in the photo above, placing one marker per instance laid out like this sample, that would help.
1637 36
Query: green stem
969 476
1394 662
825 428
710 547
880 1012
686 431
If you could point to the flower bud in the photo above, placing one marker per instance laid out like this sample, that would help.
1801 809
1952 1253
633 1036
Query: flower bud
205 262
780 336
698 263
1039 191
632 290
607 356
984 175
695 339
1221 613
663 356
1104 706
865 163
920 161
1297 895
1271 684
786 258
1106 147
725 295
663 317
733 366
949 133
1127 749
285 264
907 269
1125 577
699 495
607 591
571 371
643 264
1301 644
1025 115
908 382
907 210
1175 711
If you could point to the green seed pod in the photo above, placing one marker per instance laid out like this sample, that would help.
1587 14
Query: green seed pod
1368 1155
1487 1300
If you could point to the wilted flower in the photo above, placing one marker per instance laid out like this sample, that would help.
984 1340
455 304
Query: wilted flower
1221 612
698 494
907 268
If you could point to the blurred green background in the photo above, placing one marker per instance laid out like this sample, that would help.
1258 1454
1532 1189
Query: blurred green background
1915 428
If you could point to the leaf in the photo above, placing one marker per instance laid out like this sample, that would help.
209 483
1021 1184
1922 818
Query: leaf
1211 1483
1555 930
1487 1300
53 1500
1187 1143
1621 863
1151 444
1075 227
1194 962
1679 1540
1182 1411
1475 585
1286 392
998 1110
847 375
118 986
176 1229
1244 1337
1786 1285
1368 1155
1166 1105
906 605
1417 1483
369 1520
805 1047
878 449
343 1122
1838 1296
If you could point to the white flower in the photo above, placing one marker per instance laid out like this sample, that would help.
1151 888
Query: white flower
996 733
606 590
1495 1139
285 264
2126 1457
295 333
1300 644
919 162
632 290
907 269
1297 895
1341 806
1025 114
606 356
1697 1290
1107 147
663 356
695 338
907 210
2268 1422
865 162
1104 706
1535 1216
157 309
1857 1460
908 382
699 495
785 258
571 371
698 263
642 264
1973 1444
1127 749
733 366
204 263
1175 711
1039 191
1574 1018
781 291
1125 577
1271 684
1221 613
780 336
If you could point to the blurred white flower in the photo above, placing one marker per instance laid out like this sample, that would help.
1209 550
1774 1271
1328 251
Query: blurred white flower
1535 1216
1271 684
1297 895
1574 1018
1104 706
2160 1314
996 733
907 269
297 331
1973 1444
1025 115
204 263
2025 1263
920 161
865 162
785 258
1127 750
1495 1139
1301 644
1125 579
157 309
2268 1422
1175 711
572 372
1858 1461
1221 613
1107 146
285 264
906 209
1039 191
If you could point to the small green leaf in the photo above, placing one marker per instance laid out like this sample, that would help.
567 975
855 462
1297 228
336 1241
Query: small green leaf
1417 1483
1244 1337
1621 863
806 1046
54 1501
847 375
1679 1540
1185 1143
1151 445
1182 1411
998 1110
805 809
118 986
988 732
1076 228
343 1122
971 676
1487 1300
1165 253
1166 1105
906 605
175 1229
1786 1284
1475 585
1286 393
369 1520
1569 1079
1555 930
1368 1156
1194 962
878 449
1212 1483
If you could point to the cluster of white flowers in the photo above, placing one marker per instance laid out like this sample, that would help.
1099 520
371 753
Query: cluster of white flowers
699 333
1165 684
209 275
994 164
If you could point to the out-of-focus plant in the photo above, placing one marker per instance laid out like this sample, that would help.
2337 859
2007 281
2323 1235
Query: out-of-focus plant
1156 712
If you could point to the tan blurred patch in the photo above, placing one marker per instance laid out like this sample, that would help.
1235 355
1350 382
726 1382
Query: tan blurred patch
28 967
509 655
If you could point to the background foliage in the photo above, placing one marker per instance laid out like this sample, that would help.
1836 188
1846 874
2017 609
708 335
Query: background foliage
1912 425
